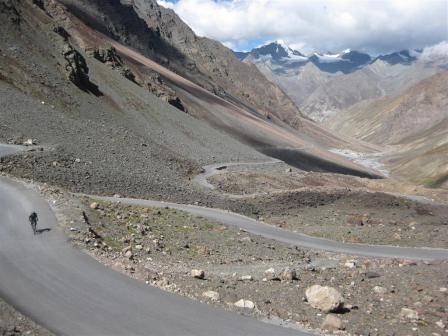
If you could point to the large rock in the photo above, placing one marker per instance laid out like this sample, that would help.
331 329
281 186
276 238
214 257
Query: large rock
326 299
331 323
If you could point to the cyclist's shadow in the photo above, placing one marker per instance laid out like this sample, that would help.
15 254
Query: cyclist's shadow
40 231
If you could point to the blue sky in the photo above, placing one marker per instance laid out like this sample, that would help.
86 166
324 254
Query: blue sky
375 26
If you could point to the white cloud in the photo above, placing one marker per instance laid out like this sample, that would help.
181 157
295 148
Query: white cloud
371 25
436 53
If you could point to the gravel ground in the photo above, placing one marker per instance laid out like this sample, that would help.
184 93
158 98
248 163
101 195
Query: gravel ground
12 323
162 246
335 206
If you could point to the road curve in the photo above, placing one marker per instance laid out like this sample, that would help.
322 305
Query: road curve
289 237
217 168
70 293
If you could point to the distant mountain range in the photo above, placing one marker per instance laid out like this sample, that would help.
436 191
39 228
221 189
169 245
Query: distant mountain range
284 58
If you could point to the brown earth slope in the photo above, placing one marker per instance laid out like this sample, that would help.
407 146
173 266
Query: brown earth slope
391 119
415 126
159 33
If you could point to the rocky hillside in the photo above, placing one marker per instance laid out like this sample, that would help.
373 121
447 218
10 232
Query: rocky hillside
390 120
414 125
159 33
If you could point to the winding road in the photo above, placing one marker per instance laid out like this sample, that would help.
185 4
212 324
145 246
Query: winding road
70 293
288 237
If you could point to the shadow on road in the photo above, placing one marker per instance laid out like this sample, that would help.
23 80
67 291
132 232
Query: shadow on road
40 231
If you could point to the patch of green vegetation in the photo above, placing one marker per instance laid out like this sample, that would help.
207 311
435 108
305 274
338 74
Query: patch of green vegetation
437 182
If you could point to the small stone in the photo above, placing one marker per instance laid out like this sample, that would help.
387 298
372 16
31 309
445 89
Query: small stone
77 160
139 247
246 239
288 274
440 324
247 278
331 323
326 299
350 264
29 142
427 299
245 304
128 254
408 314
443 289
397 236
270 274
198 274
379 290
212 295
372 275
94 205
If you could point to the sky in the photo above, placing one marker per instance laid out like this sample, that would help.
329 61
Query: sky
374 26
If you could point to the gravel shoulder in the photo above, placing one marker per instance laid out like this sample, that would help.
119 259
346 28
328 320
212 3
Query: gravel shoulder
13 323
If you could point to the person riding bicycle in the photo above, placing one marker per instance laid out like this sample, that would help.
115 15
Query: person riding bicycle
33 221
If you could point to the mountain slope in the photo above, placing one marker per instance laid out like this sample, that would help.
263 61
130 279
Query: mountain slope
105 130
159 33
413 125
390 120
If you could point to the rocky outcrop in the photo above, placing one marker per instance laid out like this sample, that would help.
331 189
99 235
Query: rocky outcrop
155 84
76 66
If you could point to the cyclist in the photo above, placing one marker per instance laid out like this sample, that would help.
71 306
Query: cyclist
33 221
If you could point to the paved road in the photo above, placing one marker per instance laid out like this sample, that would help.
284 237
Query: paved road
292 238
70 293
218 168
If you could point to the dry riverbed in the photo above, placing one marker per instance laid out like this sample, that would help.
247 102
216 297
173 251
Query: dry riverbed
163 246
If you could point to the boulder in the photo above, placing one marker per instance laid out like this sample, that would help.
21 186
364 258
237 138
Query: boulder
245 304
331 323
326 299
212 295
197 273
